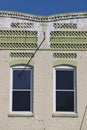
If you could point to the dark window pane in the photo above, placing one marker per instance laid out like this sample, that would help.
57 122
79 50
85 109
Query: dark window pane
21 101
64 101
64 79
21 79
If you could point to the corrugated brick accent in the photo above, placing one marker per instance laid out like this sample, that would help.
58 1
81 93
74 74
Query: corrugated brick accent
64 55
21 54
65 25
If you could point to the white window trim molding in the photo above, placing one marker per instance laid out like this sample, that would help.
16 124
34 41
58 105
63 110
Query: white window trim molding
20 113
61 113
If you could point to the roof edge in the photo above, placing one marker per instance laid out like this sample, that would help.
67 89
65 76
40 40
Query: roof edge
37 18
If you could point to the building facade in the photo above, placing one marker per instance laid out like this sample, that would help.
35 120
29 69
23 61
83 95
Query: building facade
43 71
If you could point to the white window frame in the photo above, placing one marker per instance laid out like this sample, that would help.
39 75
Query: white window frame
22 67
64 67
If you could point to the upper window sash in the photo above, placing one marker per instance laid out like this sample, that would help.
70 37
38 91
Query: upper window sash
30 89
65 68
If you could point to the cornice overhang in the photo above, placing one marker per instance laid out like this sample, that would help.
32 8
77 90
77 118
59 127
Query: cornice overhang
36 18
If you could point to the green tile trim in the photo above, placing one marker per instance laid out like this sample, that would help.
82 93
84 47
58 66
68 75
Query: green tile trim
68 33
70 40
21 62
22 25
69 46
65 25
14 33
65 62
21 55
5 39
17 39
64 55
17 46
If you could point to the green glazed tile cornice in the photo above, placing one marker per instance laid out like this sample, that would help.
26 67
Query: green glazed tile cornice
65 55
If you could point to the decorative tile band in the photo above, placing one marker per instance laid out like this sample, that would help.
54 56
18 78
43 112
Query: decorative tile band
69 46
65 25
21 55
18 46
64 55
14 33
22 25
18 39
70 40
68 33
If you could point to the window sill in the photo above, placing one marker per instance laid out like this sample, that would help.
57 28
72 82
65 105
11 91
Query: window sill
20 115
71 114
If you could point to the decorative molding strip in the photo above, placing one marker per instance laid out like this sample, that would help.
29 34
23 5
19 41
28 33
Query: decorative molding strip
57 17
65 25
22 25
17 46
69 46
21 55
64 55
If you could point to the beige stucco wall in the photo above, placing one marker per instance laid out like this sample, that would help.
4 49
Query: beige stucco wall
43 63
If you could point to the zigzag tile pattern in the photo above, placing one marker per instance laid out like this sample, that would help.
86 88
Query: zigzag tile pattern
21 55
64 55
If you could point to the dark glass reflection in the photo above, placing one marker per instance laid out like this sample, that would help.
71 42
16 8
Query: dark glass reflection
64 101
64 79
21 79
21 101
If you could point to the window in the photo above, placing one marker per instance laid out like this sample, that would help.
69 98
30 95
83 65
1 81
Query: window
65 89
21 89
